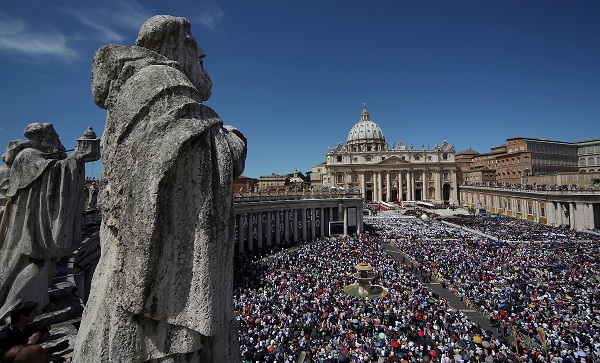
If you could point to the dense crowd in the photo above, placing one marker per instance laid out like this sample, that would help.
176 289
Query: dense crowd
292 304
512 229
545 288
523 186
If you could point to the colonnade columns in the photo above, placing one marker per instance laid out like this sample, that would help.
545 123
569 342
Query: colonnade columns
260 230
572 211
344 212
241 227
270 228
313 219
550 213
278 227
322 214
388 184
286 225
303 210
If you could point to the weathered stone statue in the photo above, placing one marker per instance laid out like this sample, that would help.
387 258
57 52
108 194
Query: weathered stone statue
42 195
162 291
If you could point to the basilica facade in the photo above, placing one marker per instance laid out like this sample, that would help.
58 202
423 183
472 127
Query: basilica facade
402 172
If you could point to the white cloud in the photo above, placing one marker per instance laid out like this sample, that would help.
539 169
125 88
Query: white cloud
106 20
97 23
211 16
17 36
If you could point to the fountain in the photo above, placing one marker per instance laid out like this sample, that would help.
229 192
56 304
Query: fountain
364 289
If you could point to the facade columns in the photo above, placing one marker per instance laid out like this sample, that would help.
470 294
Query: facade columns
376 186
412 184
454 186
388 184
425 191
438 186
363 185
400 187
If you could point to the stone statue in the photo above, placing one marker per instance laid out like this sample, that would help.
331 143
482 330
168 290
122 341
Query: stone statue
92 197
42 192
162 291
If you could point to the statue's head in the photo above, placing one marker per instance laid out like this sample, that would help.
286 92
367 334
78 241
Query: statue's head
43 137
171 37
13 149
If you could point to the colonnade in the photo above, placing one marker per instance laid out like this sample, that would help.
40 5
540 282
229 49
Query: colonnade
265 223
578 209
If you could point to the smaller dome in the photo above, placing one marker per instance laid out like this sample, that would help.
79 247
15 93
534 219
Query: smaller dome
365 130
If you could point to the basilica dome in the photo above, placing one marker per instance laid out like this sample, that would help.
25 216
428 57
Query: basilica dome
365 131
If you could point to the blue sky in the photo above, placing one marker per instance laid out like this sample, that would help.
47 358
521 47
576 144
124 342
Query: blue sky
293 75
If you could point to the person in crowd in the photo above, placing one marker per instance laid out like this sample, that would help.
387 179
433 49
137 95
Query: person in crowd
21 330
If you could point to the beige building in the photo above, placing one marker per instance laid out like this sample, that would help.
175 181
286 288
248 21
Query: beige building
400 172
579 209
273 182
588 154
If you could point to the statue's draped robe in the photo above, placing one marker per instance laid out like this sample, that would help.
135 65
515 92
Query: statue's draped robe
42 223
162 291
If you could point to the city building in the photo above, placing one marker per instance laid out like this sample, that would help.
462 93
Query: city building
401 172
273 182
243 184
588 153
545 181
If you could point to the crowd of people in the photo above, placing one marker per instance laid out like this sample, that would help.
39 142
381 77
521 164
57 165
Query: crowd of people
524 186
544 287
292 304
512 229
544 291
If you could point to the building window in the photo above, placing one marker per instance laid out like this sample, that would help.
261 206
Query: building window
564 178
518 207
575 177
367 158
340 178
542 210
339 159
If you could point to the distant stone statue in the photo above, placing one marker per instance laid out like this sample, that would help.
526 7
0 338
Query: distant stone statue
92 202
42 193
162 291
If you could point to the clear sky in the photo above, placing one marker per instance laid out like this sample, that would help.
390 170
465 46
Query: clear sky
293 75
